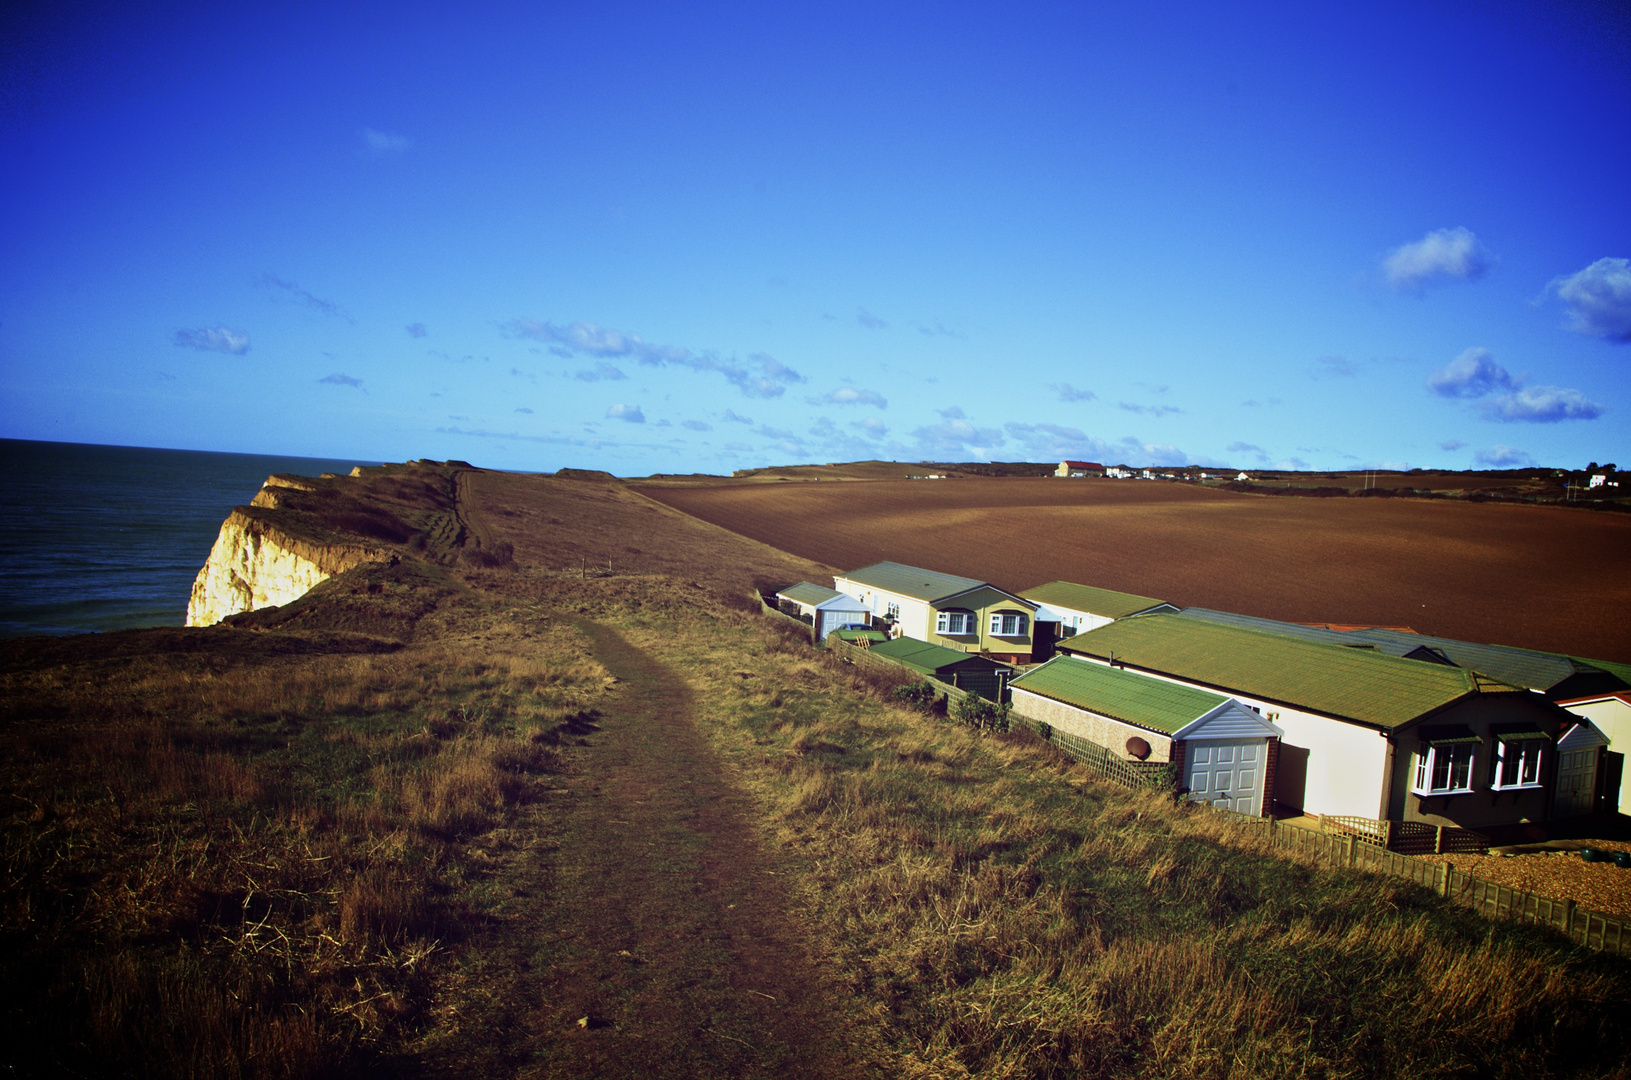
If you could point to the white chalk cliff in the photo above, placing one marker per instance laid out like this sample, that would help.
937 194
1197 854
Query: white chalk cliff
255 565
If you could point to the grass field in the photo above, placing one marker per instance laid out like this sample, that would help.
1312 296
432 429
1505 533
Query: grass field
1536 577
550 821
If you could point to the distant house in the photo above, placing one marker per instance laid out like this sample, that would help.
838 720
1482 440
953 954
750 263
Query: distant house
1119 472
824 609
1226 753
949 610
1079 468
1242 477
1365 734
1597 481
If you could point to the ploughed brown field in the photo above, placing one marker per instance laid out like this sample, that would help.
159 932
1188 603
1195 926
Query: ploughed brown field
1547 578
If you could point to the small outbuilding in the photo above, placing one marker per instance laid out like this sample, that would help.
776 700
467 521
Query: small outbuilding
824 609
1226 751
967 671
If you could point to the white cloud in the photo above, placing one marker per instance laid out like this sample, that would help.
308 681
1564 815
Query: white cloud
771 378
628 413
1156 411
341 380
1451 444
381 143
1473 374
317 303
1599 299
696 425
1339 367
214 339
732 418
1069 393
1503 457
850 395
1441 254
869 320
874 427
416 330
1540 405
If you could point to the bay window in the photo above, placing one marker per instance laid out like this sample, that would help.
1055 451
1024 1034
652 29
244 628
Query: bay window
1008 624
954 622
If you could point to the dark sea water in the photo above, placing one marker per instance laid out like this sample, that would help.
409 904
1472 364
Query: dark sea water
97 538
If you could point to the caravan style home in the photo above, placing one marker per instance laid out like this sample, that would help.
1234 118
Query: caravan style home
944 609
1365 734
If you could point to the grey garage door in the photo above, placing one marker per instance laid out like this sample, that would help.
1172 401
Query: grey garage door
1228 773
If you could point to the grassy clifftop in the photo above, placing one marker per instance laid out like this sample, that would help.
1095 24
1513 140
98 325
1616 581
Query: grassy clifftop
536 816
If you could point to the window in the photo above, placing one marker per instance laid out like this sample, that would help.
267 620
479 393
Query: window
1444 768
1517 763
1008 624
954 622
893 610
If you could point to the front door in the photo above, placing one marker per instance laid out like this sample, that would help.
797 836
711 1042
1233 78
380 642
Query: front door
1576 783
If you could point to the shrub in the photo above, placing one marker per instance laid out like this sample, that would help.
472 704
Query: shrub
919 695
981 715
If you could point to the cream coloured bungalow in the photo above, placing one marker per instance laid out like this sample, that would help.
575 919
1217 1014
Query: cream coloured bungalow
944 609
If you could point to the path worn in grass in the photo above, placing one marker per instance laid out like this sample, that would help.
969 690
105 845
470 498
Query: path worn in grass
654 913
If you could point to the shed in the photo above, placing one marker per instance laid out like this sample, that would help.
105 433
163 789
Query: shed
1226 751
967 671
824 609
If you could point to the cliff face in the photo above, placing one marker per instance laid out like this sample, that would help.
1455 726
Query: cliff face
254 565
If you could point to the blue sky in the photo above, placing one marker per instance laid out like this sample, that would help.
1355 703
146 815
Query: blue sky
698 238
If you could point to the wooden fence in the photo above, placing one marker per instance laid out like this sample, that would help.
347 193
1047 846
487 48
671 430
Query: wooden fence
1362 844
1588 928
1411 837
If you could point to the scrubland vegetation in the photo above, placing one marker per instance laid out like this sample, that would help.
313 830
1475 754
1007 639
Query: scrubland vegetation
229 862
291 847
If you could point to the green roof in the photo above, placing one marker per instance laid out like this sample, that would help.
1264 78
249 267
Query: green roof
1352 684
1528 668
806 593
1105 602
912 581
922 657
1121 695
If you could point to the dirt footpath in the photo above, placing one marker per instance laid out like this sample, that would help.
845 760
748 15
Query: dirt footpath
649 937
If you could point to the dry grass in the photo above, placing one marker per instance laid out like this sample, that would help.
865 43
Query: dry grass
254 866
1008 916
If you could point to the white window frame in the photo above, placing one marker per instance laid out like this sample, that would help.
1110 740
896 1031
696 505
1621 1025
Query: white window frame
893 610
1430 760
945 621
1517 764
1000 619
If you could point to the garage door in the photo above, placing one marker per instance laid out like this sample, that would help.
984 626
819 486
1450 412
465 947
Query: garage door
1228 773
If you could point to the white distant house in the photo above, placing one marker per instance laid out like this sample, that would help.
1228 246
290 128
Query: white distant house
1597 481
1116 472
1242 476
1080 608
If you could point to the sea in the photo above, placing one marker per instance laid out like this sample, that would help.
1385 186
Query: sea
97 538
